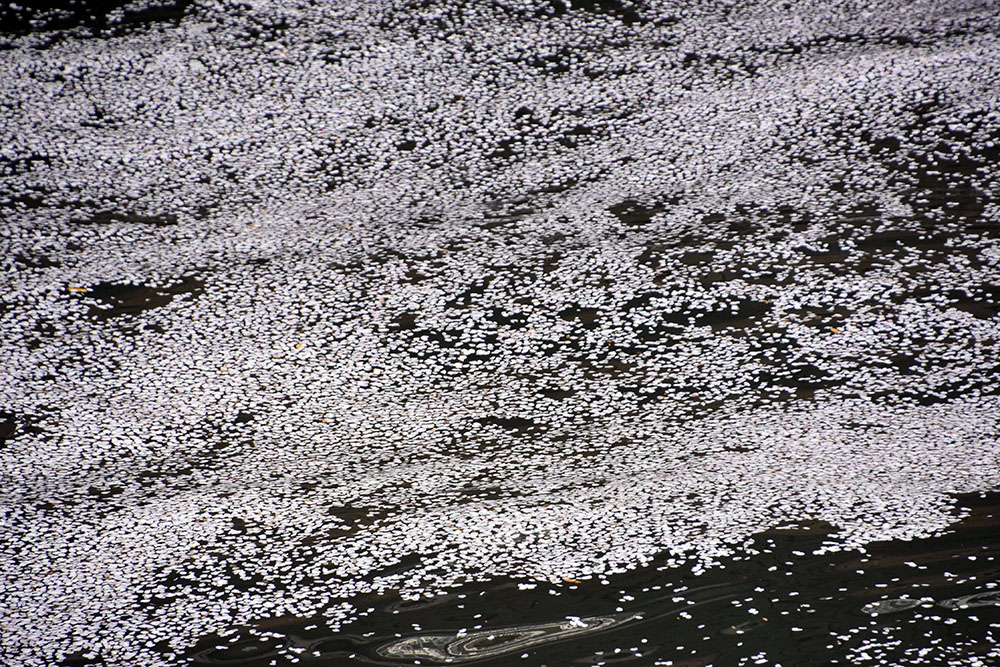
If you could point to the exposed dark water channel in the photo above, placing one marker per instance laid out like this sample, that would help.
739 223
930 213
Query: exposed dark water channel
937 599
84 17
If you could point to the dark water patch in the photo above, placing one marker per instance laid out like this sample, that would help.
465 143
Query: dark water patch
120 299
554 61
824 251
506 148
819 42
507 318
641 301
414 277
697 258
438 340
776 378
127 217
800 527
657 255
644 394
589 318
578 134
7 426
982 301
16 166
936 393
81 659
91 16
743 628
664 333
628 12
938 166
742 313
513 424
625 11
466 297
500 221
552 261
557 187
735 314
723 66
892 239
36 261
242 652
243 417
353 518
780 595
17 424
817 317
470 492
26 200
557 394
105 492
403 322
405 564
264 28
422 603
725 275
636 214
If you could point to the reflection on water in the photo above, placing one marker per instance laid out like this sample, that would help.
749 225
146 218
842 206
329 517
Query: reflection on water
789 600
989 599
883 607
741 628
460 647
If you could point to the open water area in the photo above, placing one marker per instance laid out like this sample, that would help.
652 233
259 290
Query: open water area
499 332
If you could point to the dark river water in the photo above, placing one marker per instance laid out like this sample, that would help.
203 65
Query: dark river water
930 601
499 332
